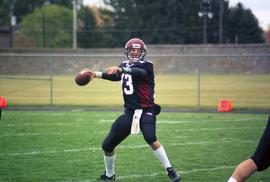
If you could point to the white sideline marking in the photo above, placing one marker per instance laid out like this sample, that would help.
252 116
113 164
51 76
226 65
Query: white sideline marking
50 133
83 149
38 124
159 174
103 121
172 122
38 134
207 169
51 151
229 140
102 132
191 143
214 129
181 172
93 149
182 136
139 175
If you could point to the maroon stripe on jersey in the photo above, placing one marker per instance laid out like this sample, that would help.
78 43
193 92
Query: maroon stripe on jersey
145 95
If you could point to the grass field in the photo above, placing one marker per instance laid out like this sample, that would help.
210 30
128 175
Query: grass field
172 91
65 146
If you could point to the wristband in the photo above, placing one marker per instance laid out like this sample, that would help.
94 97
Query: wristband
98 74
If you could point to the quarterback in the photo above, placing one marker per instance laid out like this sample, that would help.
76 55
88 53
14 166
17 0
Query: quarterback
137 79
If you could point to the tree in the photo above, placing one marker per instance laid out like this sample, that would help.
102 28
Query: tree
21 8
5 10
157 21
49 26
242 26
90 34
86 31
267 35
175 22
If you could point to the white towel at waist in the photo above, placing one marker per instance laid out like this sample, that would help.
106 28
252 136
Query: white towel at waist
135 126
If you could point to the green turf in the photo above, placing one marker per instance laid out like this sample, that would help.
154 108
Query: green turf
172 91
65 146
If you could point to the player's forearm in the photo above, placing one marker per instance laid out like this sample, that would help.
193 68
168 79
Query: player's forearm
106 76
114 73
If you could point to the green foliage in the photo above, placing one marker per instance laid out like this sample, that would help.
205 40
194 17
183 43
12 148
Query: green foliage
85 32
89 35
24 7
177 22
4 12
242 26
66 146
49 26
66 3
155 21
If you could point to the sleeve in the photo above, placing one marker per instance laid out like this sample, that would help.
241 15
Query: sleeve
140 71
136 72
114 77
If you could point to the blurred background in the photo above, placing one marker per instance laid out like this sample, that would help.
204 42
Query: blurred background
203 51
109 23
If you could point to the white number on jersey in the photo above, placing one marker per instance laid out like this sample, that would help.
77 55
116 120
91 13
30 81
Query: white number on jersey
127 84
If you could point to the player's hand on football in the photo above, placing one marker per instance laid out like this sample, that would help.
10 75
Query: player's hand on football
113 70
93 74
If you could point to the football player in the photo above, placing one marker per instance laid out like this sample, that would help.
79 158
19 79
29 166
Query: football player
137 78
258 162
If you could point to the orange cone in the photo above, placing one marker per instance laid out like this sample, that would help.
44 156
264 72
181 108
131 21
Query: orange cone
3 102
225 106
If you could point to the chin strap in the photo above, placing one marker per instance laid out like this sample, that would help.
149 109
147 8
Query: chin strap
133 59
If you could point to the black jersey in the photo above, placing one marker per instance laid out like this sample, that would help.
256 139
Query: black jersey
137 85
138 88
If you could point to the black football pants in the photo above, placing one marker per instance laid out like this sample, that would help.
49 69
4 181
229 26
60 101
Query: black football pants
261 157
122 126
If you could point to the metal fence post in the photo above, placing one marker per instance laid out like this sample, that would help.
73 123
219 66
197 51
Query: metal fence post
198 83
51 81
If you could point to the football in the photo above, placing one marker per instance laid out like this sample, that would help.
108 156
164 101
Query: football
83 78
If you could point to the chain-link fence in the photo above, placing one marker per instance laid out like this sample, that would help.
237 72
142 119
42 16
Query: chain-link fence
186 76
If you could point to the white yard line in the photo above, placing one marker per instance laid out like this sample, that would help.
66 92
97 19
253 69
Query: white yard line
160 174
215 129
39 124
102 132
40 134
90 149
181 172
104 121
94 149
